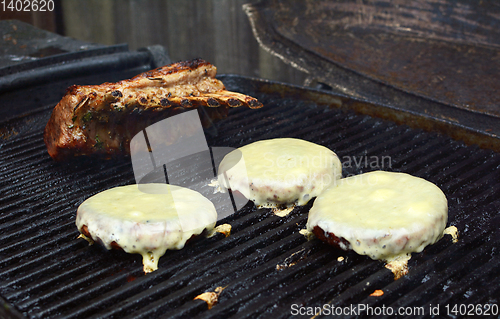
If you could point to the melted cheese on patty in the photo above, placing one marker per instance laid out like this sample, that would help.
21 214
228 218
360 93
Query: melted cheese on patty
146 219
382 214
282 171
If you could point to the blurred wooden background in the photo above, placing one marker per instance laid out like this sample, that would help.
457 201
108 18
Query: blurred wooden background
215 30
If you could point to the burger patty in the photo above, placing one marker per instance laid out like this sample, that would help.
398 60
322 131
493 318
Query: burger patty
380 214
145 219
279 172
102 119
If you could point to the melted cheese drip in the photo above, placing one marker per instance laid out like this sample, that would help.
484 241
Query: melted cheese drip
383 215
146 219
278 172
453 232
398 265
283 212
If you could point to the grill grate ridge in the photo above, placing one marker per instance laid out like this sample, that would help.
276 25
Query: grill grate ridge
490 269
33 249
55 200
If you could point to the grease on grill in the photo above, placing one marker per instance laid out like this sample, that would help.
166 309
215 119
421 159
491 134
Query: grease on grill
224 229
293 259
6 134
211 297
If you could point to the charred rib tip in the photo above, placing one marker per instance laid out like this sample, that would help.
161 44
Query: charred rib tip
186 103
234 102
192 64
116 93
213 102
254 104
164 102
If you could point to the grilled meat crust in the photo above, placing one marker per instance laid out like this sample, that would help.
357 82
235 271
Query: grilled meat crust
102 119
85 231
331 239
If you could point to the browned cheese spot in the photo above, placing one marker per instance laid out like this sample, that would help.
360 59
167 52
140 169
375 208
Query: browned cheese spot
211 298
377 293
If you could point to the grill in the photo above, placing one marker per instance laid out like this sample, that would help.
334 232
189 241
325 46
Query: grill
267 268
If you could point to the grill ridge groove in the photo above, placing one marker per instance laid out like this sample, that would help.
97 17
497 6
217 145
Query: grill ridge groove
21 139
487 292
457 267
30 264
62 290
291 294
35 288
34 148
27 181
438 166
88 292
35 248
20 142
56 230
31 155
333 286
56 201
467 281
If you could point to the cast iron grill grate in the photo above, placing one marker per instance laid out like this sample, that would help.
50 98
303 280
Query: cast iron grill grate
45 271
